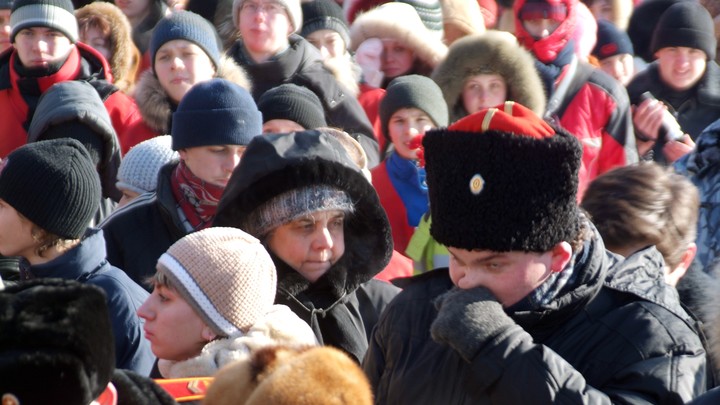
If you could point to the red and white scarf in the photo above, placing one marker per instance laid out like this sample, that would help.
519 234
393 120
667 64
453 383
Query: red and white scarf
197 198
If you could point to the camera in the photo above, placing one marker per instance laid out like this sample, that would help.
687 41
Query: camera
670 128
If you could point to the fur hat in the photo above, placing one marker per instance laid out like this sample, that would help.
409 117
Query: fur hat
686 24
53 184
215 112
292 7
140 167
514 182
324 14
56 345
492 52
413 91
55 14
292 102
190 27
382 22
290 375
611 41
225 274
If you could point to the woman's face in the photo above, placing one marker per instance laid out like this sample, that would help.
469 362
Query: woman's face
483 91
310 244
94 37
179 65
397 59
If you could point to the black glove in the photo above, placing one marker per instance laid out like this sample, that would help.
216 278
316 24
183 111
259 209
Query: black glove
467 319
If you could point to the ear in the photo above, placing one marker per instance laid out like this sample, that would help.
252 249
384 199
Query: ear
208 334
674 275
183 154
561 255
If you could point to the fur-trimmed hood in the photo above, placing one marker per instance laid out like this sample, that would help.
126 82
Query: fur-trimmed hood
382 22
125 57
492 52
274 164
156 108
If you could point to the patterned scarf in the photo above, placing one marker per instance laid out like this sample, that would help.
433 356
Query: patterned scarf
197 198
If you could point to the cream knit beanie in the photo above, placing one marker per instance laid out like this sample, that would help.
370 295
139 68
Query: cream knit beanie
225 274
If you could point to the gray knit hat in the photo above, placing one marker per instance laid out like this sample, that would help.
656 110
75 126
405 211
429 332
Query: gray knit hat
139 168
294 204
225 274
56 14
292 102
292 7
413 91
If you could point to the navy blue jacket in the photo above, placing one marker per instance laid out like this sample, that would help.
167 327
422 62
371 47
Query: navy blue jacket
86 263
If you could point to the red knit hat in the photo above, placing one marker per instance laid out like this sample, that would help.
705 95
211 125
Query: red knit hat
502 179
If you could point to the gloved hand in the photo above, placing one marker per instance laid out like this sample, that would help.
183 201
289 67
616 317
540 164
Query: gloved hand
369 57
467 319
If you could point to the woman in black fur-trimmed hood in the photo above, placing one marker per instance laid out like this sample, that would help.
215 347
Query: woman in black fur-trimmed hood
303 185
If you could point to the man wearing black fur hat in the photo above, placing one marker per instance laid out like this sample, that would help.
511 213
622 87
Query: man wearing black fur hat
532 308
685 79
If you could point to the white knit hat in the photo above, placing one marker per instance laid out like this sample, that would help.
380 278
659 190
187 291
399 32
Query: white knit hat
225 274
139 169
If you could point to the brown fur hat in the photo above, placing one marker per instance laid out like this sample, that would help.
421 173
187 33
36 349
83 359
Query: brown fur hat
491 52
125 57
281 375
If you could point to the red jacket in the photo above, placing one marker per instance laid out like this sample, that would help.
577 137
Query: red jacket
83 63
402 231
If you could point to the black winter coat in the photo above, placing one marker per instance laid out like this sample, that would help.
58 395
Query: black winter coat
138 234
619 335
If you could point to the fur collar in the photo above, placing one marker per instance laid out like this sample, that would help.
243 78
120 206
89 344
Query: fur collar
156 108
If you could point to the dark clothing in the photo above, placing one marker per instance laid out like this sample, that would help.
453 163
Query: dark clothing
86 263
694 109
344 304
615 333
138 234
302 65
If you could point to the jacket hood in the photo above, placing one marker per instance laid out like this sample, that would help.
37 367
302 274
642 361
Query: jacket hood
79 101
546 49
156 108
492 52
125 57
274 164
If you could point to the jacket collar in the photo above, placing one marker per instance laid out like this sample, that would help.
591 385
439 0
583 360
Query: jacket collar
76 263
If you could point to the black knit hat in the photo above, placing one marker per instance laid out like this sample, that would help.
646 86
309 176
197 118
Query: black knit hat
413 91
56 14
56 345
215 112
294 103
502 180
190 27
324 14
53 184
611 41
687 24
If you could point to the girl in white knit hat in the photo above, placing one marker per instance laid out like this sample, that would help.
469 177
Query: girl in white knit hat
212 304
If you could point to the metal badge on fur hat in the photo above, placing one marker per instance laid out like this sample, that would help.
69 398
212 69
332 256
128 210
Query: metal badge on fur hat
53 184
225 274
56 345
503 180
56 14
215 112
687 24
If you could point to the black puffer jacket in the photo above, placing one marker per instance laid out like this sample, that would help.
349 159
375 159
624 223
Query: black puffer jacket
344 304
301 64
138 234
617 336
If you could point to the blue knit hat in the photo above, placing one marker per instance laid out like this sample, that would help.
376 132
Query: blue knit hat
56 14
215 112
190 27
611 41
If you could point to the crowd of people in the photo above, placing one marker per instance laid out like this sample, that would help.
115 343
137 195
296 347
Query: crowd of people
359 201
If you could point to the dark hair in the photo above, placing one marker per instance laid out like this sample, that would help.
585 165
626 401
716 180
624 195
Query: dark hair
645 204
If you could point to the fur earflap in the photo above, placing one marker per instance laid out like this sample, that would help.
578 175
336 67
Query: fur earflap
491 52
154 104
291 375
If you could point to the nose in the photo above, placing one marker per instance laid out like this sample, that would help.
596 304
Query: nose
144 311
324 52
322 239
177 63
231 162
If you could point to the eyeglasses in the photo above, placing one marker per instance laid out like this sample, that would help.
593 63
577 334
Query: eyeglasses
271 8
